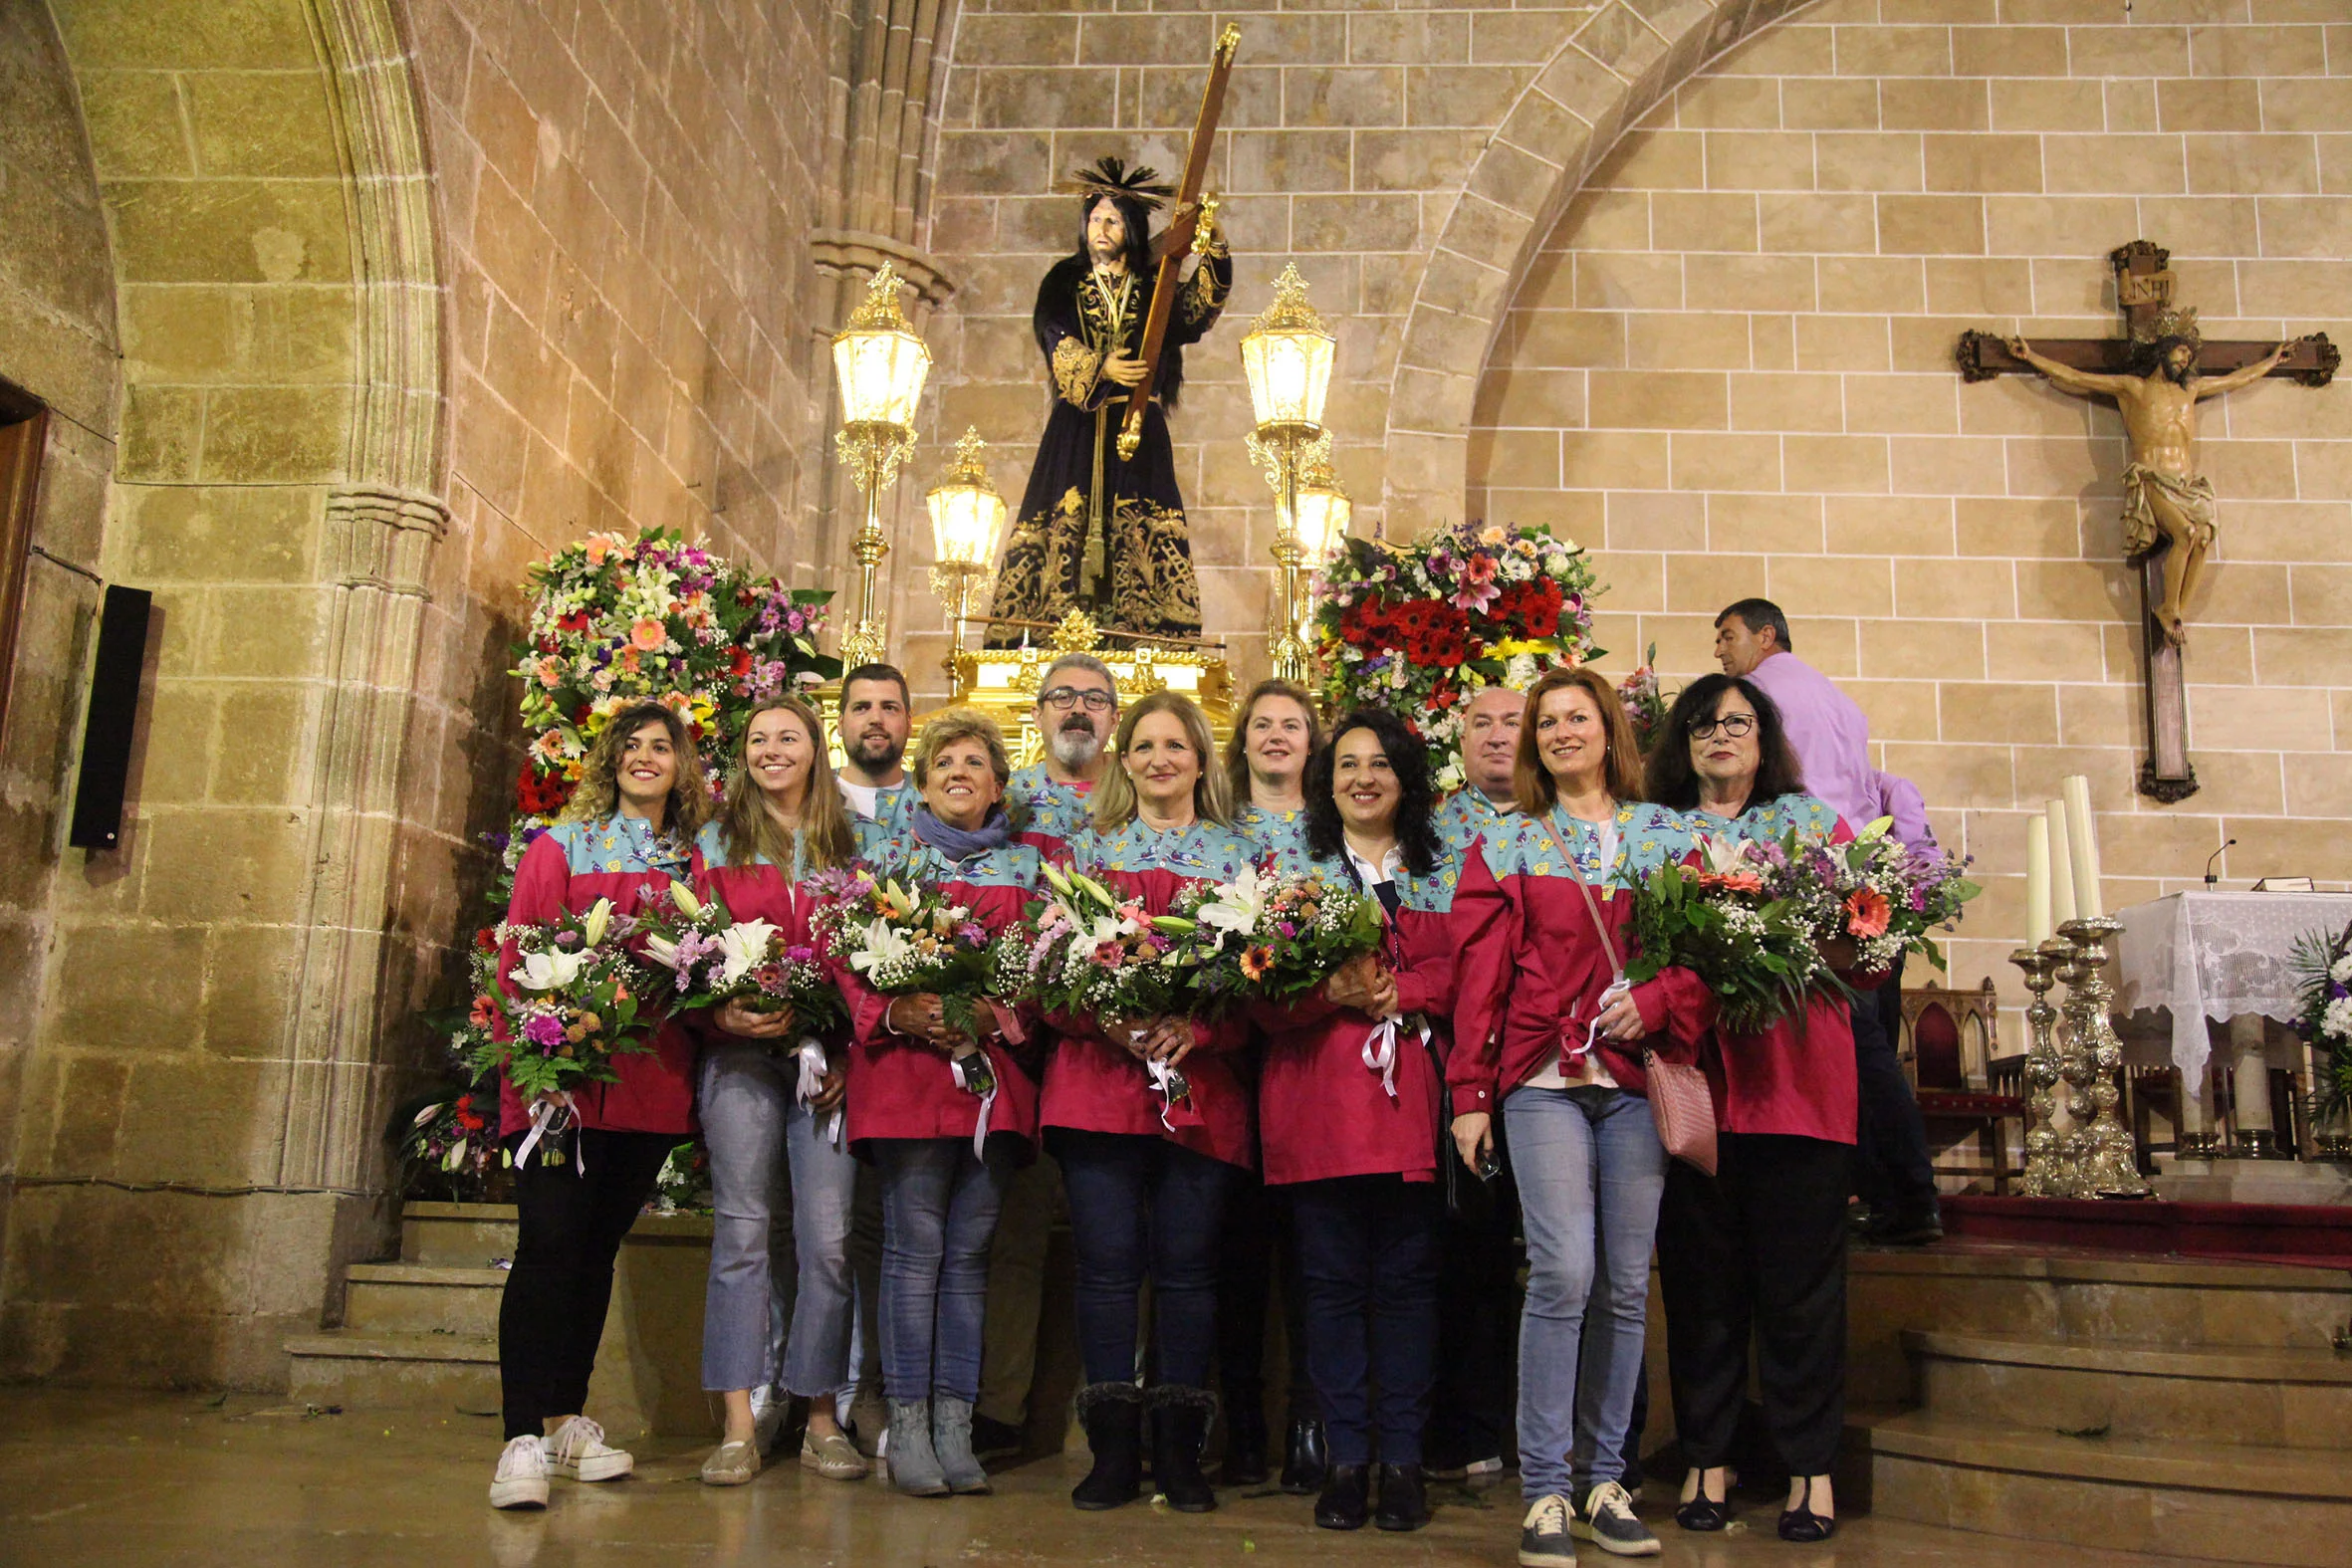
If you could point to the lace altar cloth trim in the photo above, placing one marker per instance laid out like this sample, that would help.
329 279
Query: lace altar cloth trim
2217 956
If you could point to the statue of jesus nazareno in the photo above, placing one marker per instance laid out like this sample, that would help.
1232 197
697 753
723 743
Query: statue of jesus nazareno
1095 532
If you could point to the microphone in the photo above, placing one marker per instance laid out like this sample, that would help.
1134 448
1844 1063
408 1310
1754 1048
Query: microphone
2209 878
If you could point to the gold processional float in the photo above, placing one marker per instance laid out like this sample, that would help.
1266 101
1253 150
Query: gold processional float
882 364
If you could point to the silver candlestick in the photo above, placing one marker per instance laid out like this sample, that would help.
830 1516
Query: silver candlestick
2110 1165
2047 1175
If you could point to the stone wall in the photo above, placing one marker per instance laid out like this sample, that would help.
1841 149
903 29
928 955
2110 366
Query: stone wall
1730 370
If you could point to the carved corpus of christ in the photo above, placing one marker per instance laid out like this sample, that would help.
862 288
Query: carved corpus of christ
2165 502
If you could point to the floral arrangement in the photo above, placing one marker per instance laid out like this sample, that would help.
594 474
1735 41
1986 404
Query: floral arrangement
1646 702
1755 951
907 938
683 1184
456 1136
1272 937
574 1007
615 620
1875 892
2323 970
713 959
1419 628
1087 953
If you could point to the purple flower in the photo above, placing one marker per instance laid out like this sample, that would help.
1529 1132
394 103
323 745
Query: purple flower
568 939
544 1030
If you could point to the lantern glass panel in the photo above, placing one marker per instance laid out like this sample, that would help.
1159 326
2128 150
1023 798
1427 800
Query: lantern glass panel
881 376
1289 373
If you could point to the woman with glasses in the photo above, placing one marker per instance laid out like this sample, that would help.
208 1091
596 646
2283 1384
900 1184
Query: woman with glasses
1761 1245
1543 957
944 1116
783 819
1150 1124
1348 1108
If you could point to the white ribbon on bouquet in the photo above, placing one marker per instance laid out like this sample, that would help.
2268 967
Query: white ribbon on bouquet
987 1101
552 1115
811 1056
1381 1047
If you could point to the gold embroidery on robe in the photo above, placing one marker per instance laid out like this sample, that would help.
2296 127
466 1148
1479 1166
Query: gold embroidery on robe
1152 580
1203 296
1075 368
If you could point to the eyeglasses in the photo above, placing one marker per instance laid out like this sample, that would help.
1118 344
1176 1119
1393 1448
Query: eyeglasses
1064 698
1735 726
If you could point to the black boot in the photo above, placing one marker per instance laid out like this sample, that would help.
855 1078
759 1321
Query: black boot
1347 1496
1245 1444
1305 1458
1404 1503
1112 1414
1179 1427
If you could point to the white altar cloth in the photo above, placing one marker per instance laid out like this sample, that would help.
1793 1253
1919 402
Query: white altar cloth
2217 955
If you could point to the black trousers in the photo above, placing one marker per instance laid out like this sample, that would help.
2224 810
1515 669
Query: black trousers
1761 1245
1893 1170
1256 1241
1368 1252
573 1218
1478 1319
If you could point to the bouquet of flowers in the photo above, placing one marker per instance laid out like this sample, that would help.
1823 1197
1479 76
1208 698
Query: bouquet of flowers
713 959
683 1185
1646 702
1272 937
2323 970
1418 628
455 1136
905 939
575 1006
1875 892
1084 952
1754 951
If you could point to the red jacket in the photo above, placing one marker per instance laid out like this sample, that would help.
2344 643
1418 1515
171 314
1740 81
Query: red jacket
1093 1085
758 891
901 1086
1322 1112
564 871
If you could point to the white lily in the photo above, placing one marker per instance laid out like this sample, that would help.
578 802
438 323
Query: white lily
598 918
1236 905
662 951
1725 856
883 945
548 970
745 946
688 904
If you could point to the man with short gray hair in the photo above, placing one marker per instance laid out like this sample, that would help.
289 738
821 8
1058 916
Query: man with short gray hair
1077 707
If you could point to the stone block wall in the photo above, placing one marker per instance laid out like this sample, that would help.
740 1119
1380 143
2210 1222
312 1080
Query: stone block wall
1730 371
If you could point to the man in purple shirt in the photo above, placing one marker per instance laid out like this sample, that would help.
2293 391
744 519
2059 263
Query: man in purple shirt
1895 1174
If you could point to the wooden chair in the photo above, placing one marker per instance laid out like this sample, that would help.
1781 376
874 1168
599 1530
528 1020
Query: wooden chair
1947 1052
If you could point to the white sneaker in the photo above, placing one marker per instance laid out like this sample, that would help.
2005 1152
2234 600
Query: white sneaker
576 1448
521 1479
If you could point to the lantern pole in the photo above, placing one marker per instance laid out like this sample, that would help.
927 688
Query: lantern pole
966 515
1289 432
873 449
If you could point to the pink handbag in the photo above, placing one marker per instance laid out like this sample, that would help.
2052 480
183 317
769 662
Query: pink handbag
1680 1101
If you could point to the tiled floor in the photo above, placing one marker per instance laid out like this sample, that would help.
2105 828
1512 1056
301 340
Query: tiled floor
190 1480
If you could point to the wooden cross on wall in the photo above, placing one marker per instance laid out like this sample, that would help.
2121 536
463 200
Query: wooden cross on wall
2144 292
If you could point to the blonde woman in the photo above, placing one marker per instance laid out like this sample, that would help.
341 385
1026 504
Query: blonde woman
628 832
782 820
1146 1177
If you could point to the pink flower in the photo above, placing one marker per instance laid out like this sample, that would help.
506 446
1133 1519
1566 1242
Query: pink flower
649 634
1108 954
1867 913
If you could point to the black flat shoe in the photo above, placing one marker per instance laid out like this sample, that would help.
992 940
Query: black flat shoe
1404 1502
1804 1525
1347 1498
1306 1459
1704 1516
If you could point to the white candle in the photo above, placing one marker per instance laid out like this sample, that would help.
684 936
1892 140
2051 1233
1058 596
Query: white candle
2037 881
2062 865
2082 845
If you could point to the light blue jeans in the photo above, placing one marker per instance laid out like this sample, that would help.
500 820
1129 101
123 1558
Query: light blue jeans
939 1213
1590 1172
749 1119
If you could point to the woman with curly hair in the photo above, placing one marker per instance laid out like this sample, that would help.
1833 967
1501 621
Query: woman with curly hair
1347 1107
784 818
628 832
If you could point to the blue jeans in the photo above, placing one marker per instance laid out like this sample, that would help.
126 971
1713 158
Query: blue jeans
1139 1205
1590 1172
1368 1248
749 1119
939 1213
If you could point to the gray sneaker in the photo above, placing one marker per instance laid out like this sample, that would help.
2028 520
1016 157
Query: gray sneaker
1608 1521
1543 1534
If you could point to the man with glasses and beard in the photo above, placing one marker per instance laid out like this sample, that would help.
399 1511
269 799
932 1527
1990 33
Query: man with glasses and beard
874 723
1077 707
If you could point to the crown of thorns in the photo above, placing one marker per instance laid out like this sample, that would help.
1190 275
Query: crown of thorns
1109 176
2170 323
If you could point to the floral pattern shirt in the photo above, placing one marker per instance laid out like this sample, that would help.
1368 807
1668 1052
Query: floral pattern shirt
1648 836
1281 837
1205 851
1468 815
620 844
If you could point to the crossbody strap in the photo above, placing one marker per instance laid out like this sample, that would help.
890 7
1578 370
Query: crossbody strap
1591 905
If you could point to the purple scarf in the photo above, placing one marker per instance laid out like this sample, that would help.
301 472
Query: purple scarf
959 845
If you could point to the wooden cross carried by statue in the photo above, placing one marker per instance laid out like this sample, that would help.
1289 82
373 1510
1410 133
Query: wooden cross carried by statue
2156 377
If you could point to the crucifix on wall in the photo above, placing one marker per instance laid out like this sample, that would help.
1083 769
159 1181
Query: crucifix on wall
2155 376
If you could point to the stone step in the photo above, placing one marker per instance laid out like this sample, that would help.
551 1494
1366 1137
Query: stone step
2240 1503
2289 1399
467 1235
391 1371
423 1298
